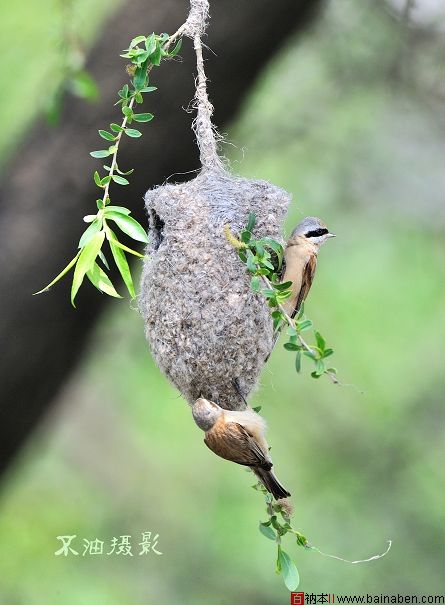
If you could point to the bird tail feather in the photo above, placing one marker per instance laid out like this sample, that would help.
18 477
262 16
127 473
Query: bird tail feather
271 483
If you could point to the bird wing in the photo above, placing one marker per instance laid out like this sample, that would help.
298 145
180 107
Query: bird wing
306 282
232 442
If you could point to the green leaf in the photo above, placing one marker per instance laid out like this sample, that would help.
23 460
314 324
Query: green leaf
121 262
99 204
304 325
245 236
251 264
155 57
255 283
103 259
267 531
150 43
298 361
102 153
116 127
321 343
120 180
137 41
105 180
69 266
140 76
124 173
257 409
143 117
126 248
119 209
107 135
97 179
289 571
95 226
284 286
328 353
100 279
251 222
132 132
149 89
291 346
319 367
176 49
127 111
128 225
85 262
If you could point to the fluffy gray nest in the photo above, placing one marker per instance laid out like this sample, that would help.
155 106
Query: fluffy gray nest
208 332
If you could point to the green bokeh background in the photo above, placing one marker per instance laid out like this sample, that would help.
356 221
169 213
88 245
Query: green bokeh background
343 120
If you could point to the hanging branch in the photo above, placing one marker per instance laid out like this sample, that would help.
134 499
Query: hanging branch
144 53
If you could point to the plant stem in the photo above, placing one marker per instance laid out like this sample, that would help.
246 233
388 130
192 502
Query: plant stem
113 165
301 340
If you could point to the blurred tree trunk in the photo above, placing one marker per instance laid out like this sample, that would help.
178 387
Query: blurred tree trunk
48 187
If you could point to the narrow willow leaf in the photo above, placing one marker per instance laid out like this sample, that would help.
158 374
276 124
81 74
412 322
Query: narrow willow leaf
107 135
321 343
284 286
120 180
95 226
289 570
102 153
119 209
100 279
298 361
69 266
267 531
85 262
103 259
304 325
124 173
291 346
129 226
132 132
143 117
126 248
122 264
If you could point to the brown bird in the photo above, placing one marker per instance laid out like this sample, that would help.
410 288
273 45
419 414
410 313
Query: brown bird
238 436
300 260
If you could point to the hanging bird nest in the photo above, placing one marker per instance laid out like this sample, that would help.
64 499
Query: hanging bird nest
208 332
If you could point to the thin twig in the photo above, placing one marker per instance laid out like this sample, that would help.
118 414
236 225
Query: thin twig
165 47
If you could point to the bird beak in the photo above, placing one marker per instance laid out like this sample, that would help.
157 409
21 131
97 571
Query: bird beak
331 235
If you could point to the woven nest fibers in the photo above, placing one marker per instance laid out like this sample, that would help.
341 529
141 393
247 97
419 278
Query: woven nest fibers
208 332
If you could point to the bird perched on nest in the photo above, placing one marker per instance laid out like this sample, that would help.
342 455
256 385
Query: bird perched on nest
238 436
300 260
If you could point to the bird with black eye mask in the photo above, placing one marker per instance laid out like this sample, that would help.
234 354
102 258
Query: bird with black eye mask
300 260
